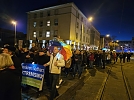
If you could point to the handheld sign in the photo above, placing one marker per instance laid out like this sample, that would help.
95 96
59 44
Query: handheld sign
33 75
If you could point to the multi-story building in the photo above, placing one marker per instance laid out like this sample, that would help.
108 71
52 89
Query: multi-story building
126 45
8 37
65 21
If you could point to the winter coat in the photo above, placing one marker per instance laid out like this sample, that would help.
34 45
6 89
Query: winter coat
78 57
60 63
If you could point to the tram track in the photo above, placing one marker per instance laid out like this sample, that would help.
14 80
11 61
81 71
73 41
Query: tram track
101 92
126 84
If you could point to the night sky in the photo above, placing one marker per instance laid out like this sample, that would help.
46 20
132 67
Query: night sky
114 17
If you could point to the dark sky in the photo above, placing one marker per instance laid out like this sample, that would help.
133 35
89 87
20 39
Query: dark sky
114 17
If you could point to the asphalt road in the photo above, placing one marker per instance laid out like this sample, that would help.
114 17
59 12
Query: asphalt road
97 84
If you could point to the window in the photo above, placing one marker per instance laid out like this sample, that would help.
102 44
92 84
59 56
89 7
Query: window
34 34
82 19
55 22
34 24
43 34
55 33
48 13
56 11
83 38
35 15
40 33
41 23
47 33
84 29
48 23
77 25
41 14
76 35
80 37
78 15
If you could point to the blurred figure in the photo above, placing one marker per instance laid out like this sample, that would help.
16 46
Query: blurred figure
42 59
98 59
114 57
91 59
121 57
17 63
9 82
77 63
128 56
103 59
124 57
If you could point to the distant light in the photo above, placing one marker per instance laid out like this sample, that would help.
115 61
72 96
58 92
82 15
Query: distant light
117 40
90 19
14 22
107 35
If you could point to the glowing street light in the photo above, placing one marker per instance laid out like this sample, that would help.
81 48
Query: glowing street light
14 23
117 40
107 35
90 19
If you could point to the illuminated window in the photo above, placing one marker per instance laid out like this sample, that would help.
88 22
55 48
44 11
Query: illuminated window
34 34
48 23
34 24
47 33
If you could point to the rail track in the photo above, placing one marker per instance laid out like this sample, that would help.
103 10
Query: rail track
101 93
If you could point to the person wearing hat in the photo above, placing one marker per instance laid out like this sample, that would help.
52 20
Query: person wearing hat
17 63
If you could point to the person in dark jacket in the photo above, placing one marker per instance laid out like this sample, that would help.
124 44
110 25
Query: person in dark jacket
128 56
121 57
98 59
9 81
103 59
124 57
43 58
77 63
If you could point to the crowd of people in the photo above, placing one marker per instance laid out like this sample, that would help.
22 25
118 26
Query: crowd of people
11 59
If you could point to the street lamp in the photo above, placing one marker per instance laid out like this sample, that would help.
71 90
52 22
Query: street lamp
14 23
107 40
107 35
90 19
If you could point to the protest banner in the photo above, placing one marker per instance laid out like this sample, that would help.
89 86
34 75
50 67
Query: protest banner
33 75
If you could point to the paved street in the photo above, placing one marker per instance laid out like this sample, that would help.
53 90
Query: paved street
92 82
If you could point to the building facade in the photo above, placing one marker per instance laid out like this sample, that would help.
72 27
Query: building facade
65 21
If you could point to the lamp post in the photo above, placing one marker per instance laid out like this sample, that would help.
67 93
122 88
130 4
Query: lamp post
90 19
107 40
14 23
